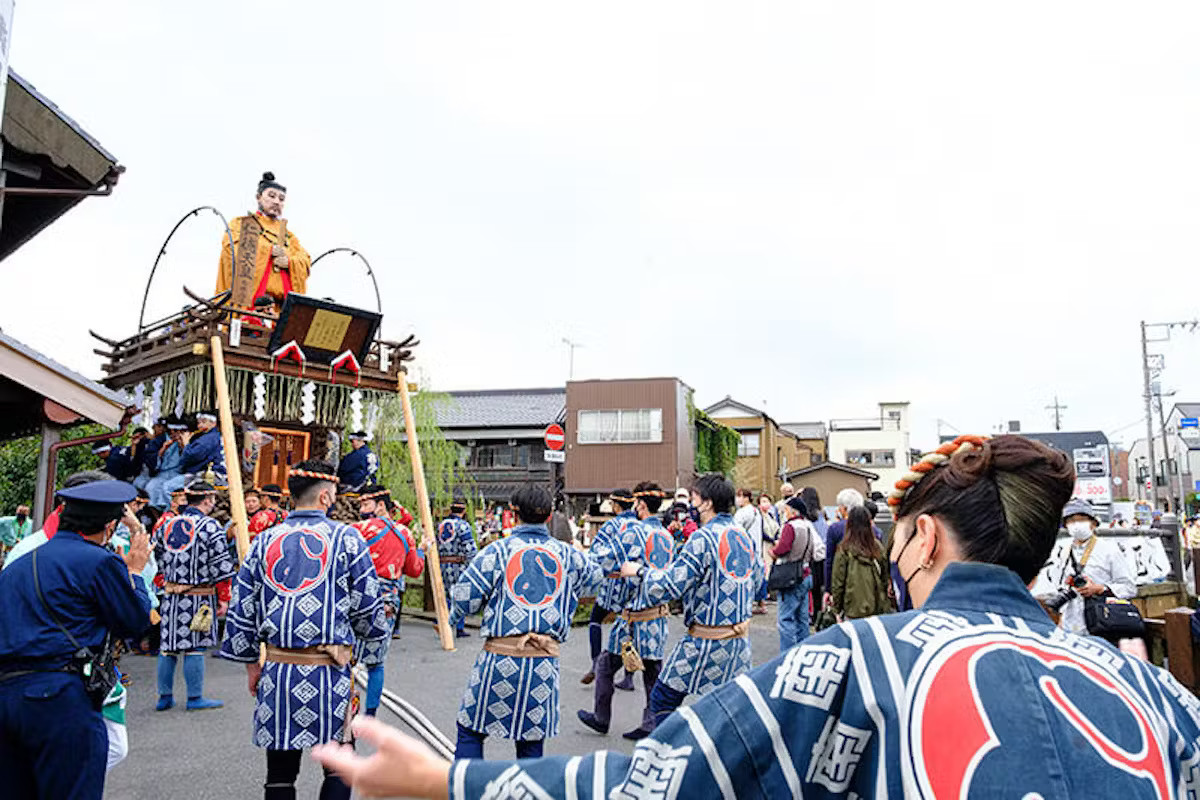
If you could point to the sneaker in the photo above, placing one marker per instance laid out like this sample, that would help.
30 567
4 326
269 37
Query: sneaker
203 704
588 677
637 734
165 702
625 685
758 610
463 634
589 719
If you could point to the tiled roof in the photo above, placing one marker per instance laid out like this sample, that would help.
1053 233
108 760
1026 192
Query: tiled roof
502 408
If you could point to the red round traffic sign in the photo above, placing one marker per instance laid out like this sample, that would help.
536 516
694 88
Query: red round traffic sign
555 436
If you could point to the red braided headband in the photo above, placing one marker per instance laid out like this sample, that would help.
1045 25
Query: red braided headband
930 462
373 495
317 476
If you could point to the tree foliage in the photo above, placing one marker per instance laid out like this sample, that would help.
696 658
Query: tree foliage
716 444
19 461
446 477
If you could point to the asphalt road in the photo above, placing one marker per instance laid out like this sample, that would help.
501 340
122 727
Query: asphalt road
209 754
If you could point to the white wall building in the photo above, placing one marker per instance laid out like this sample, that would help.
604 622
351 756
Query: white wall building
878 444
1177 458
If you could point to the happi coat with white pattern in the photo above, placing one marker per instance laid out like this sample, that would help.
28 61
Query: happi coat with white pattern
977 694
646 542
608 549
306 582
717 573
527 582
190 549
455 541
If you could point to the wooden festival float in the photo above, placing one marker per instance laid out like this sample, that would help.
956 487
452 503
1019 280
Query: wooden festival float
303 377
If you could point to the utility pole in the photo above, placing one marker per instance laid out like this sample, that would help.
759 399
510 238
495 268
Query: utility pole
1058 408
1149 420
571 357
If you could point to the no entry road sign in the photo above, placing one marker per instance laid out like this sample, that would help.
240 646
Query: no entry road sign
555 436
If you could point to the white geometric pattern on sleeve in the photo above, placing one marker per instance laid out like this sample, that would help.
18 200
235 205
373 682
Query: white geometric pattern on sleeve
655 772
836 755
514 783
811 675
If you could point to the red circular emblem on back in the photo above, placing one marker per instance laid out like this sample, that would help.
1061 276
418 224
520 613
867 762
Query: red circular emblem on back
735 554
179 535
296 561
534 576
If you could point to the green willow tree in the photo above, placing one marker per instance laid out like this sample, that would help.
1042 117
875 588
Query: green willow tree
446 476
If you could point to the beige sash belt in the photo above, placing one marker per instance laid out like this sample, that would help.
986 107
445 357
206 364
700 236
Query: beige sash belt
719 632
527 645
646 614
320 655
188 589
452 560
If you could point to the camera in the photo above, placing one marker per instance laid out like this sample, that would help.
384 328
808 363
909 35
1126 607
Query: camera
1064 595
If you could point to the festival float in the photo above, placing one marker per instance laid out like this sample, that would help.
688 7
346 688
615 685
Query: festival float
289 375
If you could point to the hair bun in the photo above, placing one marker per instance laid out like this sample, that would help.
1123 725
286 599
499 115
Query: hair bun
268 176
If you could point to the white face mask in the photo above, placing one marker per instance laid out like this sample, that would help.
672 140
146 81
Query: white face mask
1082 531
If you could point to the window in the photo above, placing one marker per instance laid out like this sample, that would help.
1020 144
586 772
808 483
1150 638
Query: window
500 456
871 458
637 425
749 445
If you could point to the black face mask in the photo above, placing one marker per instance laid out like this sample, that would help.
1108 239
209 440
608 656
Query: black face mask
365 515
20 519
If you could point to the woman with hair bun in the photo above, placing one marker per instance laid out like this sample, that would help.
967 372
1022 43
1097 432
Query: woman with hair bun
969 691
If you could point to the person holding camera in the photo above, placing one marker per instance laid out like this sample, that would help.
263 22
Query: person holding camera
1094 567
64 605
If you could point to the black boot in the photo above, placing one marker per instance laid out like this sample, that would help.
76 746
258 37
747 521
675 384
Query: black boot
279 791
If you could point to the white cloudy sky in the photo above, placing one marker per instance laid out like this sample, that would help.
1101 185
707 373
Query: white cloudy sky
810 206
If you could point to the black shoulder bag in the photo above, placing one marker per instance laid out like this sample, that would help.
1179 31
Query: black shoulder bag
1106 615
788 575
98 670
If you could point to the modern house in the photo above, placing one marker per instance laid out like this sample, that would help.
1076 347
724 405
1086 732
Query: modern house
767 450
879 444
621 432
500 433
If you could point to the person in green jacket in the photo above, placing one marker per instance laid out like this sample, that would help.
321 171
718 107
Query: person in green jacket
860 571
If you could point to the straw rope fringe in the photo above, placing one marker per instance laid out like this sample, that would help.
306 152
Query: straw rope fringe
930 462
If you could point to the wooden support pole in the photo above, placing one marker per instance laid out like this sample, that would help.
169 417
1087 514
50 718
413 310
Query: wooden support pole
233 465
433 567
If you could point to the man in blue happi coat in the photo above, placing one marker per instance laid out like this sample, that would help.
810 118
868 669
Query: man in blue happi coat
717 574
308 590
146 453
70 593
193 557
641 623
606 550
118 460
359 466
528 585
204 450
456 547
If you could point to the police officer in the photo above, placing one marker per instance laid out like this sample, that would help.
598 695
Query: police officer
71 593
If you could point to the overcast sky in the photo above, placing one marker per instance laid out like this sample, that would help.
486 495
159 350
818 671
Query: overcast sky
810 206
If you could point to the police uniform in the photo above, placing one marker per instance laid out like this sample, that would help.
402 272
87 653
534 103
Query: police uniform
975 695
53 741
717 574
394 555
528 585
456 547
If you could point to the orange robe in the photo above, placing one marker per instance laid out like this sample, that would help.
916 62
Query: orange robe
299 261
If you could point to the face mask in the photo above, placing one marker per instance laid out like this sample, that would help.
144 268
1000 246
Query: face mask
899 582
20 519
364 515
1082 531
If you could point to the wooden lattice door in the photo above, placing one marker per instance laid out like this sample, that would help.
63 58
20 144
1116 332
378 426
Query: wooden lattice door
276 457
